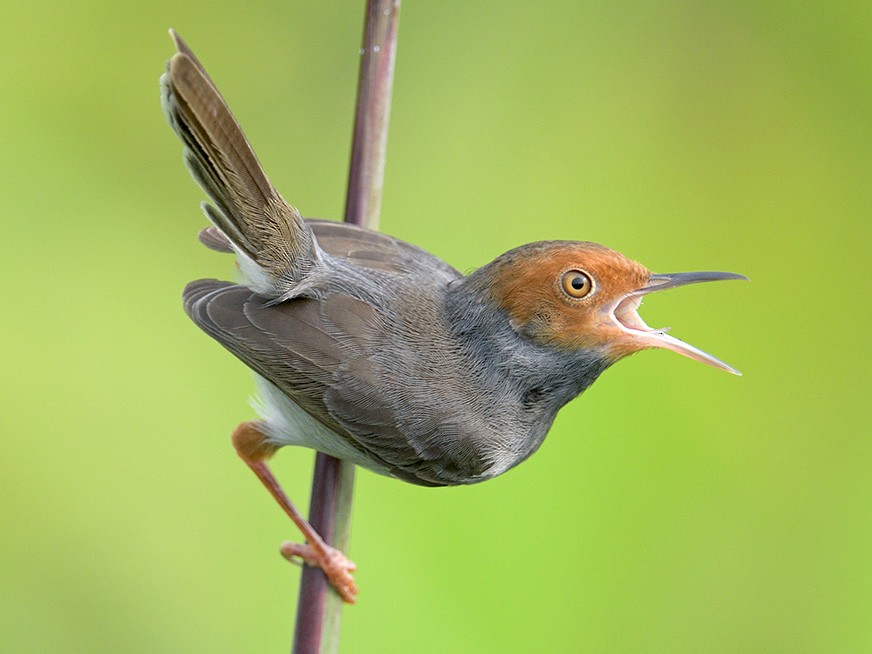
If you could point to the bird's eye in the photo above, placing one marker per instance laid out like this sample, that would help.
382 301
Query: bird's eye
576 283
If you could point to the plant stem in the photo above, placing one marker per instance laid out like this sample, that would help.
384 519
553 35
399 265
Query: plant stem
319 610
374 85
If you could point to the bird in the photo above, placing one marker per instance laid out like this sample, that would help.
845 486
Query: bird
374 351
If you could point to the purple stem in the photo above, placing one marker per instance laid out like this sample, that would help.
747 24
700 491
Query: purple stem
318 608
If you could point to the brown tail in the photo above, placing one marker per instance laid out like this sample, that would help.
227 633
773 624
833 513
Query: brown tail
248 210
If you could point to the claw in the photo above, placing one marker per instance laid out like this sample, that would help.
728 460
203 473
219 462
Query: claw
336 566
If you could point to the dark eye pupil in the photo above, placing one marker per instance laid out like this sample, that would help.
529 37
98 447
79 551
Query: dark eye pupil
578 282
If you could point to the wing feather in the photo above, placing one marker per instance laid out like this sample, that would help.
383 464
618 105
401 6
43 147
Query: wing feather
325 356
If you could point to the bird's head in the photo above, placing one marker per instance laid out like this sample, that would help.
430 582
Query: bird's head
576 295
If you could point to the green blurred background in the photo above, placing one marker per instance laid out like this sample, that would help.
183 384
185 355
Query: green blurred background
674 508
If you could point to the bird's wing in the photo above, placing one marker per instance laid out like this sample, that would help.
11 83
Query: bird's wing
321 354
362 247
289 344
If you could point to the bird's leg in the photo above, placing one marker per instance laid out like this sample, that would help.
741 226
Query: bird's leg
252 446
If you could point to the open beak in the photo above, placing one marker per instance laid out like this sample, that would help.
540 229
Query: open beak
627 316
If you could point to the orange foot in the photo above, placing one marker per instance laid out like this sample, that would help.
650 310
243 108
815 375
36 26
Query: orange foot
336 566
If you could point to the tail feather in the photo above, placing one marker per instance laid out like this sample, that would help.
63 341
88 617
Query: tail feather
214 239
249 211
